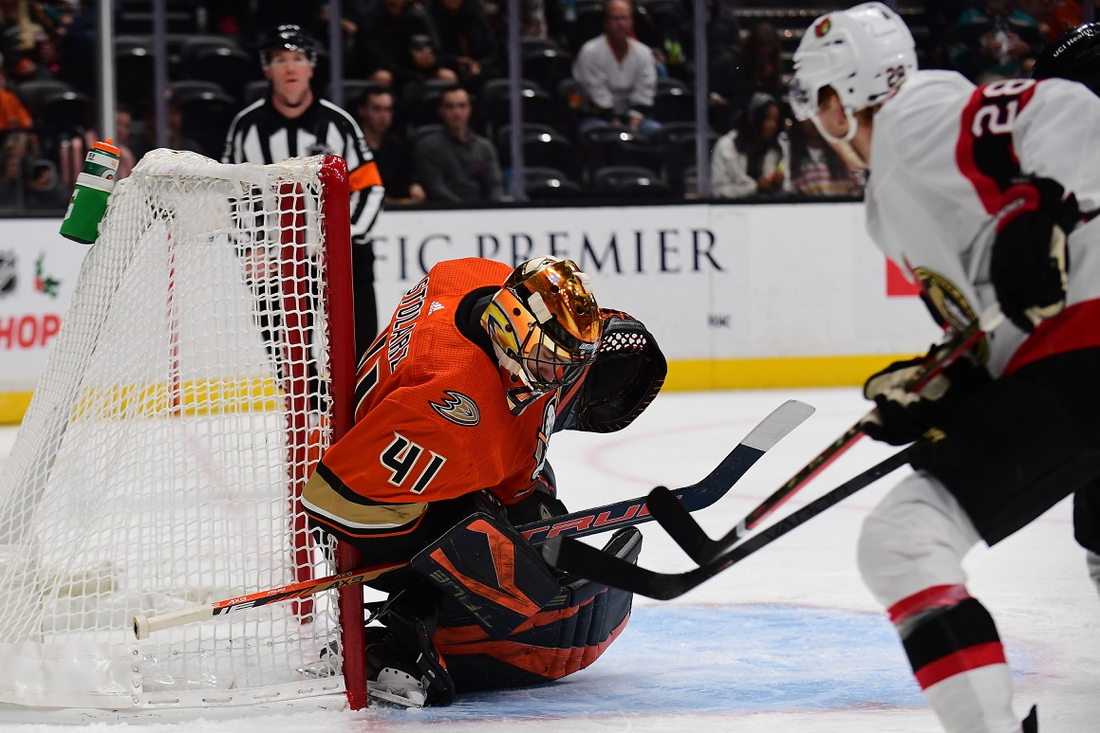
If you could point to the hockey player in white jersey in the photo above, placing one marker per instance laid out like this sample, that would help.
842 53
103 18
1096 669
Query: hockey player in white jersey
985 196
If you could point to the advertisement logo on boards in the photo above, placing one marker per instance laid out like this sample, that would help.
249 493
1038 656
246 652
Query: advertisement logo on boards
8 279
44 283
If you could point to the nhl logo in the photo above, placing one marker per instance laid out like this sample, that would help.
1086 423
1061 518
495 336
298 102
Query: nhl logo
823 27
7 273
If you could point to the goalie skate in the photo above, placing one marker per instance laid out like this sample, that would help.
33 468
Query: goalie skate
397 680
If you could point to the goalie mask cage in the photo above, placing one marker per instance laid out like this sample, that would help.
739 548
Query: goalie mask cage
206 360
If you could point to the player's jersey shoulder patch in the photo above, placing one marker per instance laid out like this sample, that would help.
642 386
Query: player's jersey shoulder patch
458 408
949 306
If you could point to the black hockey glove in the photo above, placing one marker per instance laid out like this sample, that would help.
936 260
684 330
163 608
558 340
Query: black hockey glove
1030 262
903 417
624 377
541 504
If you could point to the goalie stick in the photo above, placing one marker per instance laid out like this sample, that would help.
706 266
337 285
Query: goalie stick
571 556
700 495
710 489
702 549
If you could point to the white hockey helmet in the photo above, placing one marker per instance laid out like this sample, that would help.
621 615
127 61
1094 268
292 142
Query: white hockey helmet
863 53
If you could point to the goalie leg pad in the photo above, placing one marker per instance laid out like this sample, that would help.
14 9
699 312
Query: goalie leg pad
569 635
491 571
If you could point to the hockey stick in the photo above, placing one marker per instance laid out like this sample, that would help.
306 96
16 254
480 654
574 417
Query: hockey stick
143 625
700 495
770 431
702 549
567 554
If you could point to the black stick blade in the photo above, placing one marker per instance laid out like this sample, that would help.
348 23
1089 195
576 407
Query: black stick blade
572 556
675 519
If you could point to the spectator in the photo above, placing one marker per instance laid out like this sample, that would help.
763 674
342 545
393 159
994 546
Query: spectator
26 43
28 181
13 115
762 72
349 27
391 152
41 186
73 150
724 59
617 73
669 30
994 42
465 39
752 158
398 44
124 118
145 141
815 168
532 19
1055 17
229 17
454 164
13 151
76 35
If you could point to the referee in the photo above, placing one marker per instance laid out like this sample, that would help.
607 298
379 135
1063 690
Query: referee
292 122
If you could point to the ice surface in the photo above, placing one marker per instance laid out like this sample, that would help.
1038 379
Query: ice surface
786 641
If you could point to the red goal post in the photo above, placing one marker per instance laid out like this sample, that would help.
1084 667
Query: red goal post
337 225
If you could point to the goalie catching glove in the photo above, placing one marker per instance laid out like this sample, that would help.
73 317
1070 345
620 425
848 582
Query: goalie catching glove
1029 262
902 416
624 377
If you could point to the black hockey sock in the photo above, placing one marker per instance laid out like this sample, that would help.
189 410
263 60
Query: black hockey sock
945 632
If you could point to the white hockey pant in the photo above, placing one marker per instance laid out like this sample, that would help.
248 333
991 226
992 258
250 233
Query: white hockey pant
910 556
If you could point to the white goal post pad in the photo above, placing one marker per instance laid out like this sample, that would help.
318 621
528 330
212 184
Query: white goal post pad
159 465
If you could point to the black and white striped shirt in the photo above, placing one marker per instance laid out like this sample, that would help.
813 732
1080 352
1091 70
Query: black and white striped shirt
259 134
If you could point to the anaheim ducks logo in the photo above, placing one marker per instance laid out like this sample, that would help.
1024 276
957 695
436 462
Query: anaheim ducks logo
949 305
458 408
549 417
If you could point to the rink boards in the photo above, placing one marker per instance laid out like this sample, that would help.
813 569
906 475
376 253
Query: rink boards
739 296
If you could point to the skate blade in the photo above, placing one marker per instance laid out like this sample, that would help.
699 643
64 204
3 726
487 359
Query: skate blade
397 699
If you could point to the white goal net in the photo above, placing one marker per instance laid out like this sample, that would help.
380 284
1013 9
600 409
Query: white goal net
158 467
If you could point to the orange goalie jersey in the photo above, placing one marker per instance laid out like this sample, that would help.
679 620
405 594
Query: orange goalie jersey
432 420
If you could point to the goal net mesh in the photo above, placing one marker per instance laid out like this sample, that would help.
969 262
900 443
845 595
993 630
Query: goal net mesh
159 464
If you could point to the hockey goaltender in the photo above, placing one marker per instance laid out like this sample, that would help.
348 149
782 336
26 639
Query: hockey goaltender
456 402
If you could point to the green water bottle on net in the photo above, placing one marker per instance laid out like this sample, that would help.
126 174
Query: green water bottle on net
93 187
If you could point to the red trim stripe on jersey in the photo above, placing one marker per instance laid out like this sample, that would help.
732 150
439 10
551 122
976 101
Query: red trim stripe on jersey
1077 327
970 158
964 660
938 596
